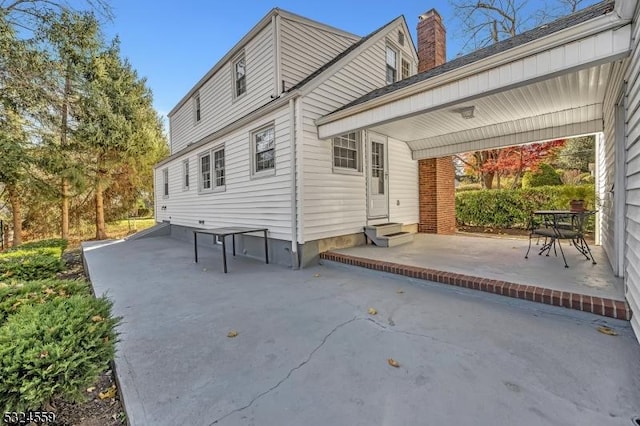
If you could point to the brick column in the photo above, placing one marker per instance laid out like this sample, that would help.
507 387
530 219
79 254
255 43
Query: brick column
437 196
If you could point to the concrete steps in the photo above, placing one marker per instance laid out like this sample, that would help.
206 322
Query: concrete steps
387 234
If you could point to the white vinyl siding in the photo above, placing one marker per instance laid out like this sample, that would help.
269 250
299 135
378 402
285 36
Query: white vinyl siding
305 47
403 183
607 166
219 107
336 204
632 132
245 201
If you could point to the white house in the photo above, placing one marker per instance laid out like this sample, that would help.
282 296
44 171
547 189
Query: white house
314 133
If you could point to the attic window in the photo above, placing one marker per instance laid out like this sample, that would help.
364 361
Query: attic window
198 111
400 38
391 65
240 76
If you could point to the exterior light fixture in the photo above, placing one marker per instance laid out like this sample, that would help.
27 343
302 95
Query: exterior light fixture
465 112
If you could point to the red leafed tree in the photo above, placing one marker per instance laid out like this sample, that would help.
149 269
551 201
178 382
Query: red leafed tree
511 161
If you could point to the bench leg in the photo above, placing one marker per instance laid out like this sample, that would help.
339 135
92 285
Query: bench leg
266 248
234 243
195 245
224 254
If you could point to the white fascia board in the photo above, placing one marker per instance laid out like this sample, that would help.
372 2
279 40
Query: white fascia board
592 28
538 135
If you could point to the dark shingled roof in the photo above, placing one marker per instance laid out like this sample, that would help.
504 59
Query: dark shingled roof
586 14
350 49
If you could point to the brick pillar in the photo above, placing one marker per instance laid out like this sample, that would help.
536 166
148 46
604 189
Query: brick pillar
437 196
431 41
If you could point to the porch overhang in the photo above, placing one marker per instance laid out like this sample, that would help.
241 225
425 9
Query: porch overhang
549 88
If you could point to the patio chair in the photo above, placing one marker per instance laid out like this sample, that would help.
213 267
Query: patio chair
563 227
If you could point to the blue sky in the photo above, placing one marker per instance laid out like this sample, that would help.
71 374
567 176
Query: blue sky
173 44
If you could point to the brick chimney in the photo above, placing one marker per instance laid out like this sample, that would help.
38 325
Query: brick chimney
436 175
432 46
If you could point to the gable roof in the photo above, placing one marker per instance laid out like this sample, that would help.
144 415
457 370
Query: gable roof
344 53
265 21
584 15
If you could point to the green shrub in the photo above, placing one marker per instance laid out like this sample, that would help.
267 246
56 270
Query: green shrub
15 295
511 208
52 242
469 187
544 176
31 264
54 349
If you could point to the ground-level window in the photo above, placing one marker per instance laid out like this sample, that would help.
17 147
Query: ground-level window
165 182
205 171
346 152
263 146
185 174
391 65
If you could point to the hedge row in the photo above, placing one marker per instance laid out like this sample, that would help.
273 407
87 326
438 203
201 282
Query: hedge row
511 208
55 337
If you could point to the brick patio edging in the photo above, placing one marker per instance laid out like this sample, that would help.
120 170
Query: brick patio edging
593 304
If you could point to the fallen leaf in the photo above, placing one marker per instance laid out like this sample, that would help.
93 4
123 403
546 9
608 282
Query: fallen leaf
392 362
49 291
108 393
232 333
316 275
91 389
400 291
372 311
607 330
96 318
44 354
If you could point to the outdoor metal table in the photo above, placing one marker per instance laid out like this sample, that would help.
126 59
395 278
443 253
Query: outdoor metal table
554 230
222 233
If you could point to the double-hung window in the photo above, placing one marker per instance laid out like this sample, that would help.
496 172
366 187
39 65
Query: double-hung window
165 183
346 153
391 65
205 172
239 76
263 147
185 174
405 69
218 163
212 170
197 108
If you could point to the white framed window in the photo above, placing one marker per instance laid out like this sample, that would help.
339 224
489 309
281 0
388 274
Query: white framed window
405 69
212 172
185 175
165 183
239 76
347 153
219 171
197 109
263 150
204 161
392 65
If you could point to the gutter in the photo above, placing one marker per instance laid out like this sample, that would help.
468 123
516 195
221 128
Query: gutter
577 32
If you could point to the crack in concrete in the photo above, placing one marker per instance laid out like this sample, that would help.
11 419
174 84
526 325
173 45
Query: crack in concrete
299 366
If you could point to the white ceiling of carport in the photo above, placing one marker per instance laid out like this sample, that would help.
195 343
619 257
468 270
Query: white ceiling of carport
571 102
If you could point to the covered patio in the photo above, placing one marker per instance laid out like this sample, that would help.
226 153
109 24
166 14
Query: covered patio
560 80
497 265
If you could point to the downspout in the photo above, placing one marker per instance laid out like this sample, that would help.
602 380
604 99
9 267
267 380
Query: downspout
295 260
277 74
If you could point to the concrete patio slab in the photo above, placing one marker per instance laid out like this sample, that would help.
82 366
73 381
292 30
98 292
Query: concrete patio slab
503 259
307 352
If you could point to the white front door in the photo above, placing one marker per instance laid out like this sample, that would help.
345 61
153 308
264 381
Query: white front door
377 176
